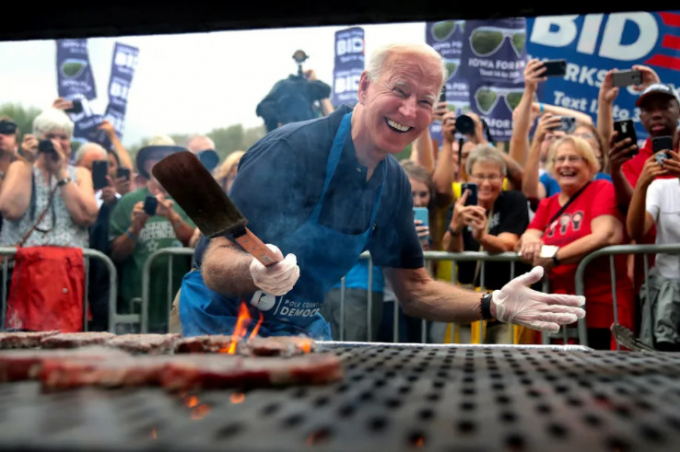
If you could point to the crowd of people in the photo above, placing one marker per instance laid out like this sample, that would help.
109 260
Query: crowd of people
553 195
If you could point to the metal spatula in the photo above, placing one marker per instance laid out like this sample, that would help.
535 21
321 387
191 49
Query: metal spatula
193 187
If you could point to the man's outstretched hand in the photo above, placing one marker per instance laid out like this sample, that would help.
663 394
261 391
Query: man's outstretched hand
517 303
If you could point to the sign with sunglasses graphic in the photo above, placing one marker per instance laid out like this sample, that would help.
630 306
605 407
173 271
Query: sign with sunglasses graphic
493 58
595 43
446 37
74 73
494 50
122 70
349 64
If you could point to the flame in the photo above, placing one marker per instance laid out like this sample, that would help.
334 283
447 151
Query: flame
306 346
237 397
257 327
191 401
154 434
200 411
240 330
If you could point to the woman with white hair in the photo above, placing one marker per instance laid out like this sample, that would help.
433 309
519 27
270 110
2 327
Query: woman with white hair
493 224
30 182
48 206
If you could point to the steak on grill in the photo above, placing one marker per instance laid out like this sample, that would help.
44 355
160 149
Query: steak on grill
280 346
148 344
203 344
76 340
17 365
23 339
226 371
60 373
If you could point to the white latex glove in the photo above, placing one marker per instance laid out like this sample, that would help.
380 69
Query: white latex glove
517 303
276 279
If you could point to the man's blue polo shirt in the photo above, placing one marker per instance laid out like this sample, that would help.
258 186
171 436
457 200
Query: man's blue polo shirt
281 178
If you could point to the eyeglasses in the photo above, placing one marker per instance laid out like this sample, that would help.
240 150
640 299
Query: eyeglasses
487 98
491 178
441 31
570 159
485 41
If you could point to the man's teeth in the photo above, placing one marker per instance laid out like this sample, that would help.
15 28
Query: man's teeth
398 126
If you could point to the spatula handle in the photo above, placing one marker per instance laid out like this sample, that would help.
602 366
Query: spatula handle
257 248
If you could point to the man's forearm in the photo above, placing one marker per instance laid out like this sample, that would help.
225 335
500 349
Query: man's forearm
531 178
123 246
515 171
635 220
422 151
183 230
438 300
123 154
494 244
519 142
226 268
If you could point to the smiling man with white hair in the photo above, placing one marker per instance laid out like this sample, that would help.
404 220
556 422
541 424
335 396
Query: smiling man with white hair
327 189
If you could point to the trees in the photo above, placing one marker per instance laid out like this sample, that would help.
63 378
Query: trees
22 116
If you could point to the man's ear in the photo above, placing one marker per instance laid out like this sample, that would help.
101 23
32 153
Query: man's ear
364 83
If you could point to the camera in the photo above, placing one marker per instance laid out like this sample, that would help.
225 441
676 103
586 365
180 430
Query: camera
465 125
47 147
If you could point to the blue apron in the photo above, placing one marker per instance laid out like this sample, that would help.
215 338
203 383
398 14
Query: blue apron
324 257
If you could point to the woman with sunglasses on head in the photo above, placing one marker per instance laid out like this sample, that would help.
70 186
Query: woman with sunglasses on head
582 218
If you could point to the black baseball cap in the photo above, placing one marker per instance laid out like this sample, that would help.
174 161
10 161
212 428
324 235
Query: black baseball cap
656 89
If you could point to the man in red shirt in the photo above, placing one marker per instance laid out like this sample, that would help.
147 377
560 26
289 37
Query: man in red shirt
659 114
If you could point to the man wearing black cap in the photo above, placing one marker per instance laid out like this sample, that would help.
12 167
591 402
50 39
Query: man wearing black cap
143 222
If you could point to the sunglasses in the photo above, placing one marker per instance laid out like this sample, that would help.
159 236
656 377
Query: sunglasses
7 128
485 41
443 30
487 98
452 66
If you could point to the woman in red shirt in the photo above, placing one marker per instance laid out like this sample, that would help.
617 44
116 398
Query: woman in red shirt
590 221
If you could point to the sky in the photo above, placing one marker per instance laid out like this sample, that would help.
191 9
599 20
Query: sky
189 83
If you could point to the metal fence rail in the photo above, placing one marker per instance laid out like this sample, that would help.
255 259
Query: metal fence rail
88 254
612 251
146 281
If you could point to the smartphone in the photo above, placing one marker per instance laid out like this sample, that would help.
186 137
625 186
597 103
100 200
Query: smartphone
555 68
664 143
47 148
123 172
442 95
150 205
77 107
626 129
626 78
472 196
422 214
100 169
568 124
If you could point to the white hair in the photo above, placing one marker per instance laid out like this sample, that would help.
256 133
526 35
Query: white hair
484 153
89 147
161 140
380 56
51 120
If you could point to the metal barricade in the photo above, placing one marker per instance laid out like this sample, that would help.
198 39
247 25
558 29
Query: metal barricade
146 281
611 251
87 254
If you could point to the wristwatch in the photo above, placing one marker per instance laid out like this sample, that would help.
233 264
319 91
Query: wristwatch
486 306
64 181
453 233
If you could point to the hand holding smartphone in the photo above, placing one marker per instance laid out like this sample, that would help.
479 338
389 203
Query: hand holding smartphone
626 78
555 68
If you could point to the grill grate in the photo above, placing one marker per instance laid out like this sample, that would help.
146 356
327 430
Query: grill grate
440 398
